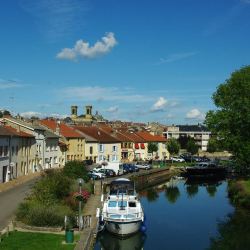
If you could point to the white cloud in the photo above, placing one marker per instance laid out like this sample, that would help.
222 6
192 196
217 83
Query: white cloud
195 114
113 109
176 57
29 114
84 50
159 105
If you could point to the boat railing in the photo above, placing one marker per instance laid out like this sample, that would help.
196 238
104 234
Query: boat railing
126 216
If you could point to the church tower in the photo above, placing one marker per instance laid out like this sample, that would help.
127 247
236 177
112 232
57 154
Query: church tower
73 112
88 114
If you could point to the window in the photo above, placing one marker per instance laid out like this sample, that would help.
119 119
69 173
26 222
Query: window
114 148
1 150
137 146
114 157
91 150
100 157
12 150
55 160
47 148
5 150
101 147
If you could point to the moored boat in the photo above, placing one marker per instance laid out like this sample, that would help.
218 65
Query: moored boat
205 169
122 212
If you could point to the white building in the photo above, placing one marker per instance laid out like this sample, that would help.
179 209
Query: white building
199 132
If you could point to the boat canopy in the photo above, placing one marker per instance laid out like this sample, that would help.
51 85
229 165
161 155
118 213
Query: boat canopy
122 186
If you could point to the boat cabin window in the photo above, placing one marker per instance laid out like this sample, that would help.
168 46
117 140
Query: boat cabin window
112 204
122 203
132 204
119 188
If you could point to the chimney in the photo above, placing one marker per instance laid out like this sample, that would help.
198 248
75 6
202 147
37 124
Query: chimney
58 127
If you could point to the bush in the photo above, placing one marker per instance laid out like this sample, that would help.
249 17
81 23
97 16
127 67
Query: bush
52 187
75 169
40 215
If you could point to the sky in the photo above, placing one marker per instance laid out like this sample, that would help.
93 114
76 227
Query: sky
133 60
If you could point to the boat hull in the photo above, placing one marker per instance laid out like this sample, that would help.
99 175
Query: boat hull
123 228
205 171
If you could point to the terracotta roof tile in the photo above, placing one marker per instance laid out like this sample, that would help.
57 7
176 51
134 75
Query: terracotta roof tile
64 129
151 138
13 132
98 134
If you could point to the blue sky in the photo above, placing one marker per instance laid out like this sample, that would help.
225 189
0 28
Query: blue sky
150 60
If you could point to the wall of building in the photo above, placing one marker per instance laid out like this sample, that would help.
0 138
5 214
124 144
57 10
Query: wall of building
91 154
109 152
76 149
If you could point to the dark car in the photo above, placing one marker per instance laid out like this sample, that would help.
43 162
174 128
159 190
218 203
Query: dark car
129 168
108 172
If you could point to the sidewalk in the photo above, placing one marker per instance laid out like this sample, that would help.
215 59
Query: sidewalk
20 180
86 235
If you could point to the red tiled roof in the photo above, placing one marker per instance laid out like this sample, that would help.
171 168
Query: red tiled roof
64 129
134 137
151 138
18 133
98 134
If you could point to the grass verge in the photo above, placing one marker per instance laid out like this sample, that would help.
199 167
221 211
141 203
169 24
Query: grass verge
38 241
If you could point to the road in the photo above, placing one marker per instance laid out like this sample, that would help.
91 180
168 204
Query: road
10 199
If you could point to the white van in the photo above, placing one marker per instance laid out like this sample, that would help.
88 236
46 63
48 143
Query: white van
115 166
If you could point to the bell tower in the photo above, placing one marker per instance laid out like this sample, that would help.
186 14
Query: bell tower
88 112
73 112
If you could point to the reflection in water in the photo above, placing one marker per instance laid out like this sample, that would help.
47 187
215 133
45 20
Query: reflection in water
192 190
172 193
109 241
152 194
234 233
166 221
211 189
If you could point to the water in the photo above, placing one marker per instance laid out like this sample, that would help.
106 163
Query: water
186 215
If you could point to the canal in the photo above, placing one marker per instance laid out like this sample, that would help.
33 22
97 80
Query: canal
186 214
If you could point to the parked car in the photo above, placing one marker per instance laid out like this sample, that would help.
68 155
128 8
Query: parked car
107 172
143 165
96 175
129 168
177 159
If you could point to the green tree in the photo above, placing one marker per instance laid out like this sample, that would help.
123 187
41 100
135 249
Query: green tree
192 147
152 147
75 169
212 145
173 146
231 120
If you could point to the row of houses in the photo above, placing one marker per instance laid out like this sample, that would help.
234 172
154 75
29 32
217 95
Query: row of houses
27 147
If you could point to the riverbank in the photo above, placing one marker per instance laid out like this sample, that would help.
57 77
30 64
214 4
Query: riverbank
239 192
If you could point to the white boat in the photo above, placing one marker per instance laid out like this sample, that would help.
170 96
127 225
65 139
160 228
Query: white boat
122 212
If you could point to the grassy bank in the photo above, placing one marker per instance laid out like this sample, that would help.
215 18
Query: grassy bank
30 241
239 192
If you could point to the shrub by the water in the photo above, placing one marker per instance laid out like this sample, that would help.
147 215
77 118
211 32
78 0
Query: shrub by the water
75 169
37 214
52 187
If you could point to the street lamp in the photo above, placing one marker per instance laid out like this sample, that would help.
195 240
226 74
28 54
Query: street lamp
80 183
